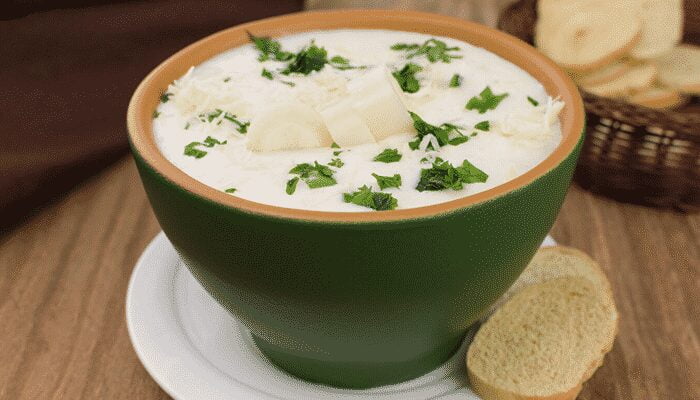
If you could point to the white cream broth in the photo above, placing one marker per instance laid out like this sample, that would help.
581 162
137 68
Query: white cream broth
521 134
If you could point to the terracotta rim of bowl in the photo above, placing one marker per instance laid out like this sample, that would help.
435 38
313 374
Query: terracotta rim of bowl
556 82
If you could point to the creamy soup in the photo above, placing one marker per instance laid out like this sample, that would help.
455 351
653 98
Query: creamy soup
356 120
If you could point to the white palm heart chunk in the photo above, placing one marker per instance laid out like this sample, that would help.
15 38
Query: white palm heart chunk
373 111
288 126
345 125
376 98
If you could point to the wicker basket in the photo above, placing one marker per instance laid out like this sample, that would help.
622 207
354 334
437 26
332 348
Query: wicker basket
633 153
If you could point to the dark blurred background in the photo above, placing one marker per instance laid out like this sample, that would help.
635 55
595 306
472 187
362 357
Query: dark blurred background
67 71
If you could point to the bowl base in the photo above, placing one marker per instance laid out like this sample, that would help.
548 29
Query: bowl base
195 349
357 375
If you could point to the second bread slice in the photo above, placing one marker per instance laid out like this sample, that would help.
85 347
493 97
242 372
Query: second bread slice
544 342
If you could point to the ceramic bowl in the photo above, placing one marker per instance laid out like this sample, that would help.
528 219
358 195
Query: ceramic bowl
368 298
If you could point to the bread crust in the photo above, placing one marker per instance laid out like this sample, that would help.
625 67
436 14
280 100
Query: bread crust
490 392
603 75
611 57
658 98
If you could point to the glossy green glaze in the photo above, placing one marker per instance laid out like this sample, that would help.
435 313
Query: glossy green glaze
359 304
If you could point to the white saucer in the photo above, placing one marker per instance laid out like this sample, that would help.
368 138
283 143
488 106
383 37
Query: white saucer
194 349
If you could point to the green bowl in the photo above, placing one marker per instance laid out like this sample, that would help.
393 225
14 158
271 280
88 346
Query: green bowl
357 299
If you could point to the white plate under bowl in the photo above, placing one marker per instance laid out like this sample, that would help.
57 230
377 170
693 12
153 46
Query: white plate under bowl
196 350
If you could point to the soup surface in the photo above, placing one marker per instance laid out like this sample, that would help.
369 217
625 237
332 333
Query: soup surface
356 120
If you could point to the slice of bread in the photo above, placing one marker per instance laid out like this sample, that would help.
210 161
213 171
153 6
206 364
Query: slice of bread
660 98
662 28
605 74
517 322
582 35
544 342
680 68
558 262
638 78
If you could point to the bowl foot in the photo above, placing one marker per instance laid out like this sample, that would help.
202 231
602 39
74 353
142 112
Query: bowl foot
354 374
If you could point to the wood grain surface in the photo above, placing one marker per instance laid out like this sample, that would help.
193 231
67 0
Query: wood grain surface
64 275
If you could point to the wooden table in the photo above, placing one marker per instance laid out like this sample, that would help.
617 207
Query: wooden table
64 276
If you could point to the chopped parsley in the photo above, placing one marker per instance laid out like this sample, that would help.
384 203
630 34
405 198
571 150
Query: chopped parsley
365 197
166 96
388 181
334 145
444 175
192 150
336 162
485 101
456 80
211 142
406 77
292 185
445 133
309 59
388 156
343 63
315 176
483 126
270 49
211 116
435 50
228 78
230 190
187 126
266 73
156 114
533 101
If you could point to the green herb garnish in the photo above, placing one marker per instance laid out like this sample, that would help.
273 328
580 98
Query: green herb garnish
435 50
388 181
336 162
165 97
405 46
266 74
365 197
192 150
228 78
269 49
211 116
444 175
315 176
388 156
211 142
533 101
309 59
156 114
343 63
456 80
483 126
292 185
230 190
485 101
445 133
187 126
334 145
406 77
